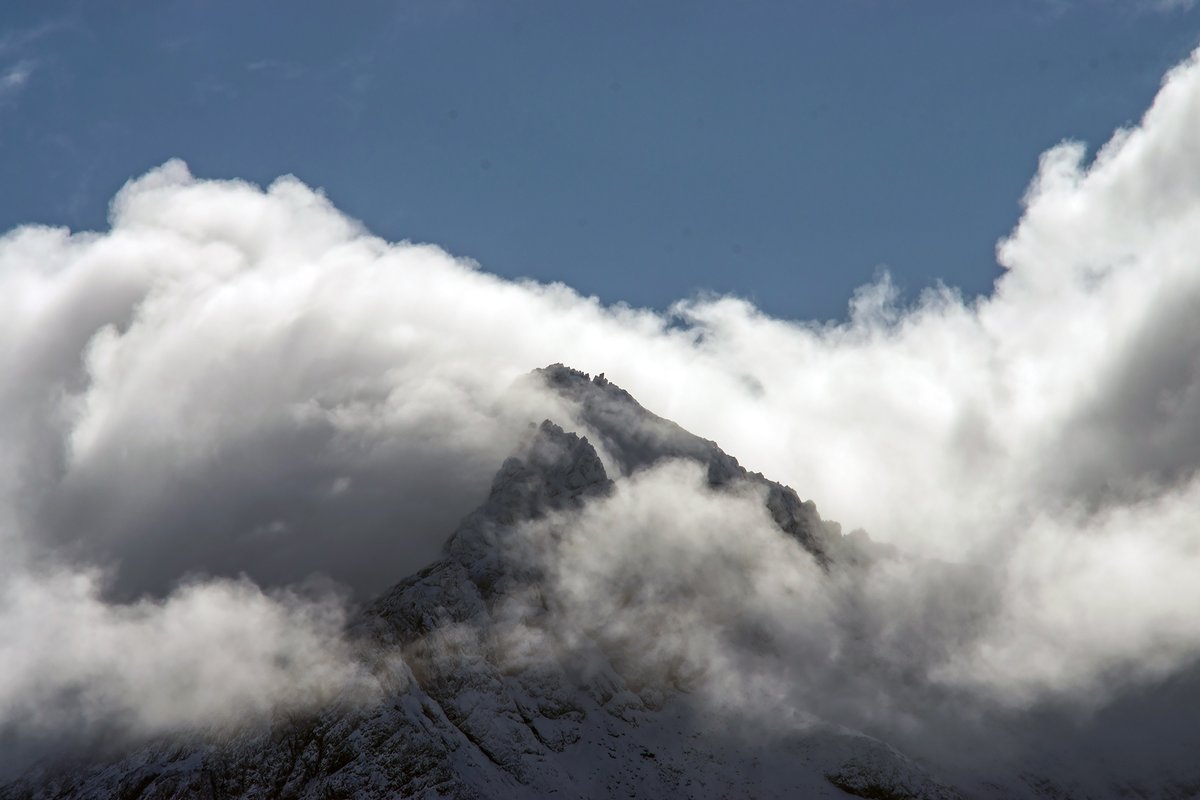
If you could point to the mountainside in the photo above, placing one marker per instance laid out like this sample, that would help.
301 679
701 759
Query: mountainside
474 686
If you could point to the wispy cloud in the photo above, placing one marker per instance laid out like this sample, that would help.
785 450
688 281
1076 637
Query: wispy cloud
15 41
288 70
1057 7
14 79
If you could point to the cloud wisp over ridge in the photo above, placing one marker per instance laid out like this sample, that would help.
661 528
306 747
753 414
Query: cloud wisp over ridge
242 381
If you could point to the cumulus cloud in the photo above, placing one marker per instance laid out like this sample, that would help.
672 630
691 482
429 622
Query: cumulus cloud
1049 650
223 652
234 380
81 674
682 585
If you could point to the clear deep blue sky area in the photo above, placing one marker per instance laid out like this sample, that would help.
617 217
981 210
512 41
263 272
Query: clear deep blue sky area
636 151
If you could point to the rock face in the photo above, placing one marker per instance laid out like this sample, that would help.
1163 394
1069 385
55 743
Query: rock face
456 705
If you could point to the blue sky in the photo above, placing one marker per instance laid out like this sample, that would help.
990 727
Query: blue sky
639 152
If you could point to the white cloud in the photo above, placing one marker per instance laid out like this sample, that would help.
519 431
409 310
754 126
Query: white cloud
210 654
222 356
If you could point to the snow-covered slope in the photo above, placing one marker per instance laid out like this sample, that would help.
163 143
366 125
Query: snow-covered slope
468 688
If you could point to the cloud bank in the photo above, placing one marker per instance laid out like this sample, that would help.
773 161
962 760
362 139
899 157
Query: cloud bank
240 381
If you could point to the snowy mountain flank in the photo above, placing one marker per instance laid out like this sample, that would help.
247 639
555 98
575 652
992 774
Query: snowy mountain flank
513 667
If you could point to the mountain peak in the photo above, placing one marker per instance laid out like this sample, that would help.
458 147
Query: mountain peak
484 692
553 469
636 439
